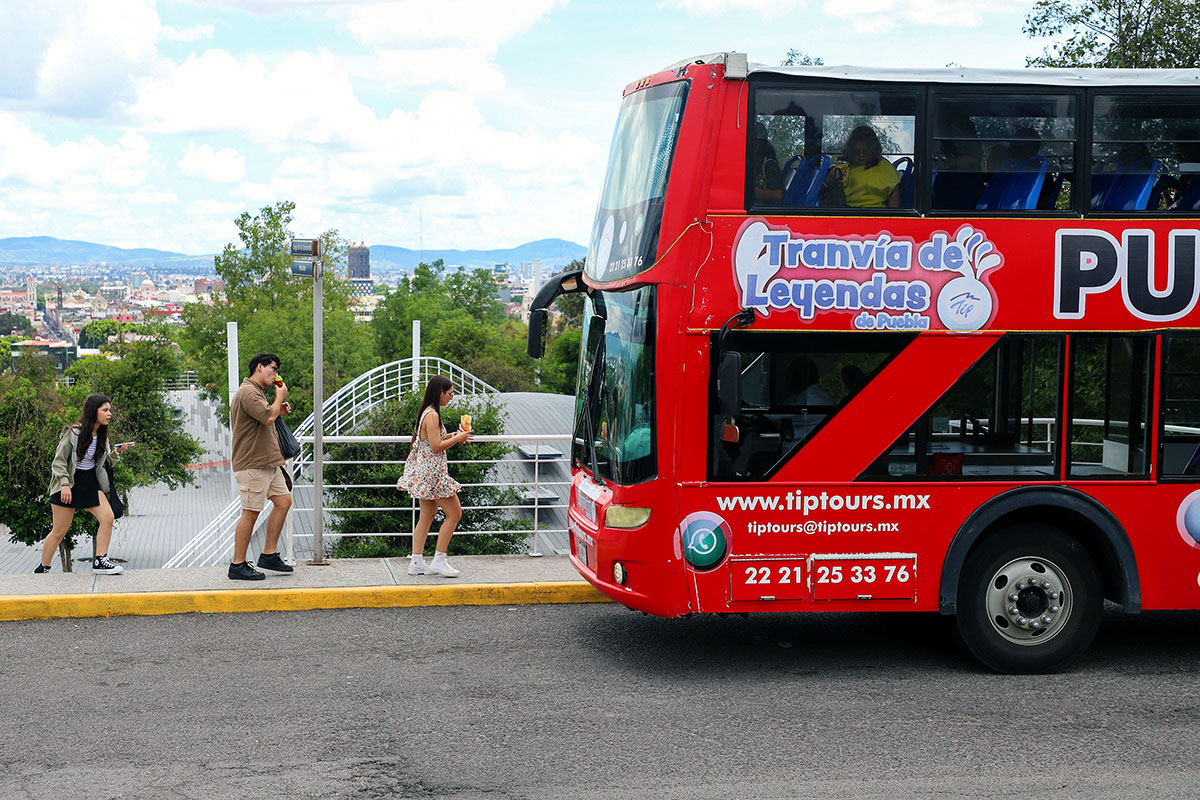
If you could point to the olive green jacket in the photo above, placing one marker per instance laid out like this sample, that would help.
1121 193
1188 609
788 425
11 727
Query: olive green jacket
62 469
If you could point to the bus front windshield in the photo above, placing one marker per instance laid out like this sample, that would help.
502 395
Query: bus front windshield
614 403
624 238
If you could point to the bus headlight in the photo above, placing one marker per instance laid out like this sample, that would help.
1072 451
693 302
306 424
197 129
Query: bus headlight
619 572
626 517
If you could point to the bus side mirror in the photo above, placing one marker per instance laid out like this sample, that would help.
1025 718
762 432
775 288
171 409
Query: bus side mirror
535 343
729 384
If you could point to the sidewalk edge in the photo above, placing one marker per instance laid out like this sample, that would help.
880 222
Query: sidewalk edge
223 601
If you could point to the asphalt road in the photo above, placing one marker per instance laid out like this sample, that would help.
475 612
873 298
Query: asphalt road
586 702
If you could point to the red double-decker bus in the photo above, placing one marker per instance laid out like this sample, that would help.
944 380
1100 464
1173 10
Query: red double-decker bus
895 340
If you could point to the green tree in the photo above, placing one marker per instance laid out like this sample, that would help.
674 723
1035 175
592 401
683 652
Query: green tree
37 408
461 321
797 58
399 418
560 367
32 418
15 322
97 332
273 309
1135 34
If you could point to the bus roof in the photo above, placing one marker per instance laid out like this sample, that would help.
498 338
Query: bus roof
967 75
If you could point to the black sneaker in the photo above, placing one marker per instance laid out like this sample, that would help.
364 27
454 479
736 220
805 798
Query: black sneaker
245 572
273 562
41 568
104 566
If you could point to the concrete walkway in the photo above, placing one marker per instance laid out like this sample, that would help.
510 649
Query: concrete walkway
344 583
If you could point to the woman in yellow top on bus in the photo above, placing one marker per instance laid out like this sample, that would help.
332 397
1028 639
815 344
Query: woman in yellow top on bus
871 180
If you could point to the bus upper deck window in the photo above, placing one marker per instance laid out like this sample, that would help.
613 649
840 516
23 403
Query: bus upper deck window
812 134
1145 154
994 152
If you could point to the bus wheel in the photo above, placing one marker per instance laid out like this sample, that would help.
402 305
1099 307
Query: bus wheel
1029 600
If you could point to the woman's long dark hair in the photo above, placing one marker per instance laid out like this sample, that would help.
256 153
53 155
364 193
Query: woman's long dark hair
87 421
865 134
432 399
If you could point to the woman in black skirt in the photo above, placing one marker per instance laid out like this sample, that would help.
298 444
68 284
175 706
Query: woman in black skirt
78 480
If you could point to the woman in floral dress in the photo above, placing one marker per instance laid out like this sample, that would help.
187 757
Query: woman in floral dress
426 478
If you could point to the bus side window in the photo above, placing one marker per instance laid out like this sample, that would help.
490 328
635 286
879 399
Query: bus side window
792 384
999 420
1110 405
1002 152
1145 153
1179 435
810 133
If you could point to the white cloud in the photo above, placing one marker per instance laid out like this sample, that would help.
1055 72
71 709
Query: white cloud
878 15
451 42
477 185
78 58
762 8
304 98
220 166
418 24
151 196
27 158
192 34
864 15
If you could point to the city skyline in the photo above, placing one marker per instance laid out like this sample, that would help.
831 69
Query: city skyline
458 124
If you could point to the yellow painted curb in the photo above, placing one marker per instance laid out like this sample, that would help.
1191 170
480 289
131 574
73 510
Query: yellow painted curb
49 606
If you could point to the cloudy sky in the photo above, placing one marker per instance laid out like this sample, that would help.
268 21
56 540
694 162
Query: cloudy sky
139 123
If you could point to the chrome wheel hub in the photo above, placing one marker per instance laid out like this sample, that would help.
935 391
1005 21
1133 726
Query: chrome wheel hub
1029 601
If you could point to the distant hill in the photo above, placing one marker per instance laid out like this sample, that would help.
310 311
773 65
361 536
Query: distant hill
552 252
46 250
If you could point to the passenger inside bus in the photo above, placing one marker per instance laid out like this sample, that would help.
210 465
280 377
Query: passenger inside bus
803 387
870 180
768 177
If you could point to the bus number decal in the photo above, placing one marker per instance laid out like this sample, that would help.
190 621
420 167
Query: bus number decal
884 576
767 579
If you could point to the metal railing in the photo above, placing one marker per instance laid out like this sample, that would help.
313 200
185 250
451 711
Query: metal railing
214 549
344 411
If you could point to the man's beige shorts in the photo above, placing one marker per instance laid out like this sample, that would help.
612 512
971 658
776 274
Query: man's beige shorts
256 485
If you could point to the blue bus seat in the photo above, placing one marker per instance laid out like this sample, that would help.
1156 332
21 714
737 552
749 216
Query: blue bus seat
1130 190
1102 183
805 187
789 169
1156 193
1015 187
904 167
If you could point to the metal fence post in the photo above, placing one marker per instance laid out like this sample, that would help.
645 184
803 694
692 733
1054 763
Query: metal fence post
537 497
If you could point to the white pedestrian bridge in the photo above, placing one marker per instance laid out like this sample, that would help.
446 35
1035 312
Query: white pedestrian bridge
194 525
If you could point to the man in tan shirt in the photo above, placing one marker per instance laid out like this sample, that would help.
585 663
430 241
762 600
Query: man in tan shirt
258 466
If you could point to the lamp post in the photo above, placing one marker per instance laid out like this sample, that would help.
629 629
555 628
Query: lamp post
306 260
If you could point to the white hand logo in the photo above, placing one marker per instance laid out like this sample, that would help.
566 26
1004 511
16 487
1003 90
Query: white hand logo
751 263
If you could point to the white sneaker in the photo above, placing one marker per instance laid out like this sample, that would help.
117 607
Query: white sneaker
417 566
440 566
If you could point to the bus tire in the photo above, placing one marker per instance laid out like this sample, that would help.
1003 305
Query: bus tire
1029 600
